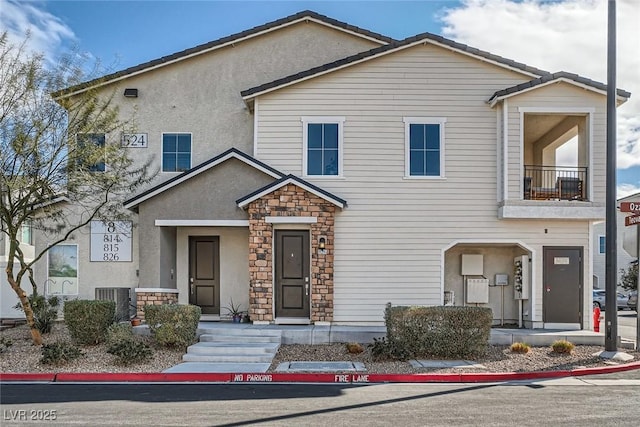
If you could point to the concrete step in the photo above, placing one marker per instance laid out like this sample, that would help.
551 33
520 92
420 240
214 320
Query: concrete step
237 338
241 331
221 348
233 358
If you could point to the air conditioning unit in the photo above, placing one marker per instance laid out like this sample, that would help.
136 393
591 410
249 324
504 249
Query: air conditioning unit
121 296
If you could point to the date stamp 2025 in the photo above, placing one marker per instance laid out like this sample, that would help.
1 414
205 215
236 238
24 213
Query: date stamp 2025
29 414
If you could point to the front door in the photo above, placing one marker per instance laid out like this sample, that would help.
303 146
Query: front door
292 284
562 299
204 273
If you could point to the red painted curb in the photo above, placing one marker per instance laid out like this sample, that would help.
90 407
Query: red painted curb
360 378
27 377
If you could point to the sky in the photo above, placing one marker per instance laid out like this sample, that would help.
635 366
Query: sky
554 35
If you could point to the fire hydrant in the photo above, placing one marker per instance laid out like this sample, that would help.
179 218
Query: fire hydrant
596 319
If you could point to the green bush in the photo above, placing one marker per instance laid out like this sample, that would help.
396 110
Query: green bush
173 324
45 311
88 320
119 332
130 350
562 347
59 353
5 343
449 332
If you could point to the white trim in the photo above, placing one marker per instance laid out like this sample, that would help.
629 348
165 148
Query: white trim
53 201
521 160
62 284
505 155
221 46
306 120
163 290
199 171
286 182
162 134
552 110
423 41
291 219
564 210
201 223
499 161
558 80
590 115
255 129
408 121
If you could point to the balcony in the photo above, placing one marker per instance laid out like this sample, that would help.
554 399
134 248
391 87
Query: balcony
555 183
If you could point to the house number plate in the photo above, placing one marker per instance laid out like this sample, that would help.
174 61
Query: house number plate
134 140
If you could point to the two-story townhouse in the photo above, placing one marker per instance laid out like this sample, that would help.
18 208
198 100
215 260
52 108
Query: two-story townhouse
414 172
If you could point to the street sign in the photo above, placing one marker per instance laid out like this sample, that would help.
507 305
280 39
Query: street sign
632 220
630 207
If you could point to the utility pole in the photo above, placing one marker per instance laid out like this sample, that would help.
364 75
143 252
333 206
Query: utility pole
611 264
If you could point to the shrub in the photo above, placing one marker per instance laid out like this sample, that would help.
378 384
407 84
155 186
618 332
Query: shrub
129 350
520 347
173 324
119 332
562 347
434 331
45 311
354 348
88 320
5 343
59 353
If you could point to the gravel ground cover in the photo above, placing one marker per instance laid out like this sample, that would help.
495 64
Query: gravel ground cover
23 356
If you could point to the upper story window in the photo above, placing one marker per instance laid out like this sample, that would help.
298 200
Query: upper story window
424 147
602 244
176 152
97 139
25 233
322 151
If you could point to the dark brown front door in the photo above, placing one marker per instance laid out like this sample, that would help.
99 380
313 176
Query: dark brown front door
204 273
562 285
292 273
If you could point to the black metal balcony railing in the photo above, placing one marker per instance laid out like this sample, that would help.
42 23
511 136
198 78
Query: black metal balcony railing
555 182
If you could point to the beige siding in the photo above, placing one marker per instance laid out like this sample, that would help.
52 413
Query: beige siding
390 239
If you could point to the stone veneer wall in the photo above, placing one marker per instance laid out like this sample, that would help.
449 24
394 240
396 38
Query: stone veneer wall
154 298
294 201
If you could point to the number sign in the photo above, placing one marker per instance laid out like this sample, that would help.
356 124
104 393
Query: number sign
134 140
111 241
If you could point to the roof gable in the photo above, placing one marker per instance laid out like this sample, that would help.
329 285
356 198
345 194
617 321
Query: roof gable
304 16
422 39
232 153
291 179
561 76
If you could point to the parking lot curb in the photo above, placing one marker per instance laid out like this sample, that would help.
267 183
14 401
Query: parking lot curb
350 378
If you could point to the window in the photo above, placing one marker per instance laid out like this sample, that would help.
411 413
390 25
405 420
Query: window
89 157
424 140
176 152
25 233
322 140
602 244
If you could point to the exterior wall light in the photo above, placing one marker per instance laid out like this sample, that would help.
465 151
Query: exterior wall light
321 243
131 93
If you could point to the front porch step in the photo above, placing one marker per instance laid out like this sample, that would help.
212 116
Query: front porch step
235 338
220 348
235 345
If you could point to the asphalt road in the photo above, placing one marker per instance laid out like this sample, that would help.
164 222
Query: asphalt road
572 401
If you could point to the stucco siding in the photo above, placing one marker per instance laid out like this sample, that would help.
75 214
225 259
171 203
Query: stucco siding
391 237
201 95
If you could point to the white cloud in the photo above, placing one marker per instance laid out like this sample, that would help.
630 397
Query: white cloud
625 190
568 35
47 32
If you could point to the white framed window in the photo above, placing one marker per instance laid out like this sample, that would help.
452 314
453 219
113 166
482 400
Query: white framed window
176 152
602 242
88 158
62 270
424 147
322 146
26 235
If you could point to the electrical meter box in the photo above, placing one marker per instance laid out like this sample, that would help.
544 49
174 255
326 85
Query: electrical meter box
472 265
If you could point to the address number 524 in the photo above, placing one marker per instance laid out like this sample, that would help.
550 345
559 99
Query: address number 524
134 140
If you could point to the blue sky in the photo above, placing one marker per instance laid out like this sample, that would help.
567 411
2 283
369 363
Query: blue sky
554 35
